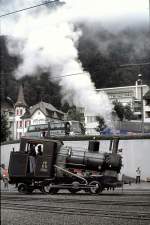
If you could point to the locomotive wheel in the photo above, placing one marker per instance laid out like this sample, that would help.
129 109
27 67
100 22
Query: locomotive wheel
24 189
75 187
97 189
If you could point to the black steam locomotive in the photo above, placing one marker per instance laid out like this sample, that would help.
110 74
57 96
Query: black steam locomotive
49 166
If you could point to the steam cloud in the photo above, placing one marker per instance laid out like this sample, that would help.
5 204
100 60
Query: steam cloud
48 40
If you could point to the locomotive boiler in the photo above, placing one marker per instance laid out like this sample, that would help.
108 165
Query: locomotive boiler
57 167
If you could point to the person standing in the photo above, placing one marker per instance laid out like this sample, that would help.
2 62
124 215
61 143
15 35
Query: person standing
32 155
138 175
5 176
39 150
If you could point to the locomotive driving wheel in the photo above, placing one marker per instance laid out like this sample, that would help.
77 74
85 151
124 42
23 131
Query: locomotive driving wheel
75 187
97 187
24 189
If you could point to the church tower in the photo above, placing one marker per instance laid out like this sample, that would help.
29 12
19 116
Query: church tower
20 109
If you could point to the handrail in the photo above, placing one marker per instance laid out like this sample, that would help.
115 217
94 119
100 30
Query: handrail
72 174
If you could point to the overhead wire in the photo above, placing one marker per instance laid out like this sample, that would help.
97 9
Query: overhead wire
79 73
135 64
28 8
57 77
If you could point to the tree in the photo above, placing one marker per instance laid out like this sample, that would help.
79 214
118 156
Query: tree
119 108
65 107
4 128
128 113
101 123
75 114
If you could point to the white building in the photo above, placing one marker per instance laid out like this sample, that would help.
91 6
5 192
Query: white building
146 105
127 95
37 114
90 124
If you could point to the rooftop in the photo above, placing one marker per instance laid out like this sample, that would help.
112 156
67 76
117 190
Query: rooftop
21 100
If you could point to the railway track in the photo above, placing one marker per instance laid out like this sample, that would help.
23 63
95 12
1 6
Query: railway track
123 202
136 215
123 207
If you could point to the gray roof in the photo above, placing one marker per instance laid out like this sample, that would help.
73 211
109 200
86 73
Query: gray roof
45 108
21 100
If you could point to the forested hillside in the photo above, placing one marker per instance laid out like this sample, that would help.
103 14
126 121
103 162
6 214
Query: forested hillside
101 53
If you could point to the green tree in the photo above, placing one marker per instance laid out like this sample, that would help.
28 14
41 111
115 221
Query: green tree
119 108
128 113
101 123
65 107
75 114
4 128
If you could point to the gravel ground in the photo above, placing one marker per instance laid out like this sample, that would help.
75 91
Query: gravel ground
12 217
79 209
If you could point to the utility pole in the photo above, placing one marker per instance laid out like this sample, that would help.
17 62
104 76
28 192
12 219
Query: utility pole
142 105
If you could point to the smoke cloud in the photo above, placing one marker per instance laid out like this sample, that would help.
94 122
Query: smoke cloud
48 39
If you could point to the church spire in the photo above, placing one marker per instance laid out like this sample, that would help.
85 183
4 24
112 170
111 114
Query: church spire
21 100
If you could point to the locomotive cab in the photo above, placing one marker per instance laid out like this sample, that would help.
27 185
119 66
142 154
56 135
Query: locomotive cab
28 163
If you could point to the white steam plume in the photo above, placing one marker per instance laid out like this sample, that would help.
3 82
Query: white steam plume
48 40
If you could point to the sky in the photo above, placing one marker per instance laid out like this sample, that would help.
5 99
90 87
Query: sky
137 7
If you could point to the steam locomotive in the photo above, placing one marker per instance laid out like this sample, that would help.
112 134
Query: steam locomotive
58 167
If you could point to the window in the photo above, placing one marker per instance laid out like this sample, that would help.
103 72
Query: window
27 123
91 119
20 112
147 102
17 112
20 123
